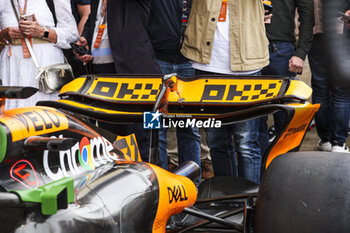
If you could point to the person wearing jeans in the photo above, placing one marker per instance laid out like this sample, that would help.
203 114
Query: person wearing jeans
235 148
332 119
280 53
287 54
222 150
216 44
167 26
188 139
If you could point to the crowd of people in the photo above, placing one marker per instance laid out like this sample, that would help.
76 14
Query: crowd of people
187 37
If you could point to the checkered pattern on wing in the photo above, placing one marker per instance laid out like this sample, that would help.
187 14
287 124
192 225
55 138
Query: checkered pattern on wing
125 91
153 92
251 92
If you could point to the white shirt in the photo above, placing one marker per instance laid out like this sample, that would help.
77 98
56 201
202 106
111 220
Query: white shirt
220 54
15 70
103 54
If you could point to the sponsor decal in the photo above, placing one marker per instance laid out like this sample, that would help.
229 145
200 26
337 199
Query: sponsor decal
128 91
85 155
293 131
201 90
128 145
24 173
239 92
177 193
33 122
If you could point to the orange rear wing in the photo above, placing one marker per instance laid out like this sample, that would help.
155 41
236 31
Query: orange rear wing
124 98
121 98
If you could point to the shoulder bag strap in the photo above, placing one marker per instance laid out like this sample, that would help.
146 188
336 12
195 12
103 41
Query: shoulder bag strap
30 49
51 6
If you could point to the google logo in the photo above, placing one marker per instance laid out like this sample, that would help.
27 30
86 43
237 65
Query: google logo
88 154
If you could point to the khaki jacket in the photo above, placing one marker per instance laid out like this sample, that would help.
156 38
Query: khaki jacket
248 42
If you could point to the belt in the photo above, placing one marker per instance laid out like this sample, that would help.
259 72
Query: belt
34 41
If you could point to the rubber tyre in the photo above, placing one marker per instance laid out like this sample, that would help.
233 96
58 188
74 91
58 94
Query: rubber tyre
305 192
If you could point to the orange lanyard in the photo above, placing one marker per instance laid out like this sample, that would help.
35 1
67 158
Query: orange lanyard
223 11
104 11
102 26
23 10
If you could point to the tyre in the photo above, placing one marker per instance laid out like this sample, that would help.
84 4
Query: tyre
305 192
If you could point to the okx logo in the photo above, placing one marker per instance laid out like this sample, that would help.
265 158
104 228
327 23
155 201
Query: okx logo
151 120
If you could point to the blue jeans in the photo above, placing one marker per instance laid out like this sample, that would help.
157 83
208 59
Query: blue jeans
280 54
332 119
246 145
222 151
188 139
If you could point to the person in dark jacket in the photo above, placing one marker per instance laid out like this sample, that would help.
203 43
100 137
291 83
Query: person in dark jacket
286 56
129 49
122 47
81 12
167 26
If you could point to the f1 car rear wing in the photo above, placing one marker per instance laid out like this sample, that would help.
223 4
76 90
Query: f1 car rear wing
124 98
14 93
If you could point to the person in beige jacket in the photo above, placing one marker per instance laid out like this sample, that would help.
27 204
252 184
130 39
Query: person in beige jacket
248 43
228 37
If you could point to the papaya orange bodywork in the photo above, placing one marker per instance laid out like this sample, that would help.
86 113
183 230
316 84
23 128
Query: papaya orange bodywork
295 131
29 121
175 193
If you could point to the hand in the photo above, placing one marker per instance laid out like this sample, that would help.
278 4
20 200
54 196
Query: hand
31 28
267 18
11 33
348 14
84 58
296 64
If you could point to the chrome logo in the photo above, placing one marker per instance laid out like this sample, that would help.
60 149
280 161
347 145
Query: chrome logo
86 155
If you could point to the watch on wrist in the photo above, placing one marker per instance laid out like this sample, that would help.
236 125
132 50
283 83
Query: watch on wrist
46 34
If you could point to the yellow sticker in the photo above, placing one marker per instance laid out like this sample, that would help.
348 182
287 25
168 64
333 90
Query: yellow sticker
128 145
